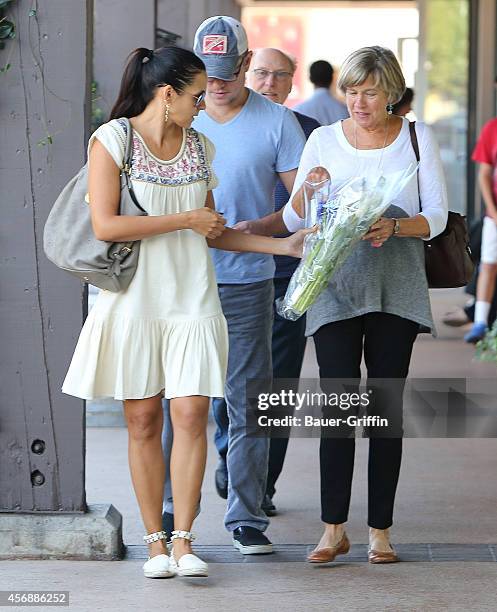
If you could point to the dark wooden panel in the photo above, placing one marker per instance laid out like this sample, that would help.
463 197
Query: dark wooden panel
41 309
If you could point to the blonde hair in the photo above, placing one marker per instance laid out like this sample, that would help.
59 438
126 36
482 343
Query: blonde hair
378 62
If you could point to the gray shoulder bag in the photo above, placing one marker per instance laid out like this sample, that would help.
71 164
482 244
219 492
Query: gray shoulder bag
69 241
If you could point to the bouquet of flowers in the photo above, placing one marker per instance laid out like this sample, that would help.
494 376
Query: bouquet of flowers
343 218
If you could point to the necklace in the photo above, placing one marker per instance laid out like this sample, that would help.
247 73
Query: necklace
387 125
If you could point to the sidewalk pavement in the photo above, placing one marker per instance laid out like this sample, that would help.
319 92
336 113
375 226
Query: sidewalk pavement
447 494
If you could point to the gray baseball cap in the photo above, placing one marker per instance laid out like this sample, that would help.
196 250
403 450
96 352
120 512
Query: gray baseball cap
219 42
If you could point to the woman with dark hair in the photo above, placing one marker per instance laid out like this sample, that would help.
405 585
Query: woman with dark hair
166 334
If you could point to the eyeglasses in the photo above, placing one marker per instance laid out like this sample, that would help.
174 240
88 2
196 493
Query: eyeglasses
198 99
262 74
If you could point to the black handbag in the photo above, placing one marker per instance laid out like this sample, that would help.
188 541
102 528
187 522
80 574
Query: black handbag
448 260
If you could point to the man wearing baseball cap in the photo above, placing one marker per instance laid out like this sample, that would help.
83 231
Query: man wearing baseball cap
257 143
271 74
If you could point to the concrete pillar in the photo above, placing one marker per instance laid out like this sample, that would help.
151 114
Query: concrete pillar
120 26
44 116
486 62
420 85
485 55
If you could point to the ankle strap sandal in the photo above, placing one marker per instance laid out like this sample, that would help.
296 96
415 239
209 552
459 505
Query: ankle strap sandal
155 537
184 535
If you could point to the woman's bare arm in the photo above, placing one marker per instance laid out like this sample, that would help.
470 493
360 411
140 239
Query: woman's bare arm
108 225
235 240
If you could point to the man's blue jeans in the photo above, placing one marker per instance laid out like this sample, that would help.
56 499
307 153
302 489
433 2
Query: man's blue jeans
248 309
220 412
288 347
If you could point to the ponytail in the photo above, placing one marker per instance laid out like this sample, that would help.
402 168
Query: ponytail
146 70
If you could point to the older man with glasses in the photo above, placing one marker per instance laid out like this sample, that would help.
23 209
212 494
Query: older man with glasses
257 143
271 75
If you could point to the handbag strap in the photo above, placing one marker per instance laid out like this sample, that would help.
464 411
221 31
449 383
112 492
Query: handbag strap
128 161
128 149
415 146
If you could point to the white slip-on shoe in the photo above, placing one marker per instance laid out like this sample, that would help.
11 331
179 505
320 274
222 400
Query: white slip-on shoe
158 567
189 565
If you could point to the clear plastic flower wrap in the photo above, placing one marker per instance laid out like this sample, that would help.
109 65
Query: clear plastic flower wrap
343 217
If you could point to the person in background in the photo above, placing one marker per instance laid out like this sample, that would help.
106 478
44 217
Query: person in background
485 153
256 143
458 316
404 106
322 105
271 74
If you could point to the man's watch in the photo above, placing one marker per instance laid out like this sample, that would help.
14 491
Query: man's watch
396 226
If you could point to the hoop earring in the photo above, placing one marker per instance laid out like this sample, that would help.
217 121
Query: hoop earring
389 108
166 113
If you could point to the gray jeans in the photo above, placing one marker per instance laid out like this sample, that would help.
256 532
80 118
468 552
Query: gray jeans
248 310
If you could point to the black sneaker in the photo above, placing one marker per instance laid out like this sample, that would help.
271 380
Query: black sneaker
268 506
168 524
251 541
221 478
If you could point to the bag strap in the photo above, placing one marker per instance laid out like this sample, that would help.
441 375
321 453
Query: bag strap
415 146
128 162
414 139
128 150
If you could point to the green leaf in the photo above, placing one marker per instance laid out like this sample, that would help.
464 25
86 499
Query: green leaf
45 141
32 13
5 68
4 3
486 349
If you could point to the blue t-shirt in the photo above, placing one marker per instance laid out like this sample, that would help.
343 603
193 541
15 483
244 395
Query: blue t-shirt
263 139
323 107
286 266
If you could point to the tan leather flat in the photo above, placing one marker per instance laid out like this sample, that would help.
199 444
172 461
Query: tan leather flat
376 556
326 555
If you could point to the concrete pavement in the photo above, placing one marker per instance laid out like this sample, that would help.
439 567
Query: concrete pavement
447 494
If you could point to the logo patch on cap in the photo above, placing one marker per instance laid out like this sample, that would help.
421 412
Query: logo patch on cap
215 44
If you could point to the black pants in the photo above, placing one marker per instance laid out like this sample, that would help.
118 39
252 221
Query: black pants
387 341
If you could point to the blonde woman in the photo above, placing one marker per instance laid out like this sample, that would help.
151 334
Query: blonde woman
374 305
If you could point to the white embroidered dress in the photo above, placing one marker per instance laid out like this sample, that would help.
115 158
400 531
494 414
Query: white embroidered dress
166 332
